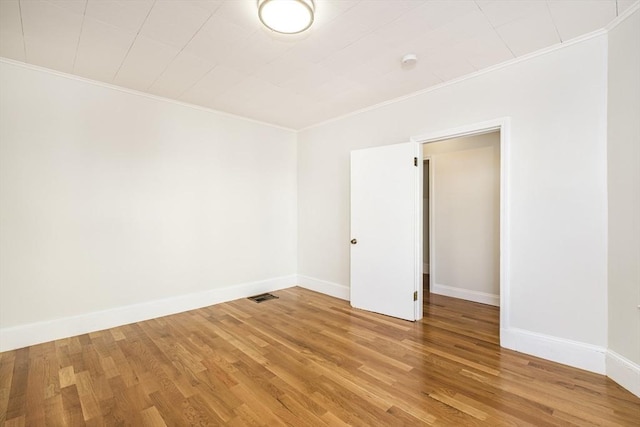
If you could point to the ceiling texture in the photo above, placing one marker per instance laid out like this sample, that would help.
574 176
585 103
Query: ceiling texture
216 54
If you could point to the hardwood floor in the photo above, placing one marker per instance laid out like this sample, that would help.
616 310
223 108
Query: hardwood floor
303 359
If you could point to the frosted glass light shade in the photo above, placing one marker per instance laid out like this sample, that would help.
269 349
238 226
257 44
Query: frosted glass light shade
286 16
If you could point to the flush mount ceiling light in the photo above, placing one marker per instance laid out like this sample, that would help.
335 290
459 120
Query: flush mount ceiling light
286 16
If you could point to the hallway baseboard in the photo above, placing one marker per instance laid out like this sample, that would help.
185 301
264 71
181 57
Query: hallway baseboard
475 296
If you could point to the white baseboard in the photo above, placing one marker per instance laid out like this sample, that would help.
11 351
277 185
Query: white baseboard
475 296
36 333
324 287
425 268
585 356
623 371
573 353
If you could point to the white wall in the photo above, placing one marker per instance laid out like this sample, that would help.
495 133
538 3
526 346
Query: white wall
623 156
556 200
110 198
466 220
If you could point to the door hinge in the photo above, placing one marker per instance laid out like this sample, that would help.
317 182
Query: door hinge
415 161
415 296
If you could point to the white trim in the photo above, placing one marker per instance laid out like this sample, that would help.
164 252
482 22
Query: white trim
418 232
36 333
505 219
473 75
504 126
568 352
138 93
623 371
466 294
328 288
620 18
479 128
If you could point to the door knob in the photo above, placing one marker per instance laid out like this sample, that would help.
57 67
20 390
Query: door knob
354 241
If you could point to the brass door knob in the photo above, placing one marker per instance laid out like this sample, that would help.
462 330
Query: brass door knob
354 241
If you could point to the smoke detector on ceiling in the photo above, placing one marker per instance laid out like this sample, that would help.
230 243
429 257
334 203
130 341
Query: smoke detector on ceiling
409 60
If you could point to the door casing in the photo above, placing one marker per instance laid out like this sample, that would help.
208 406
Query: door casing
503 126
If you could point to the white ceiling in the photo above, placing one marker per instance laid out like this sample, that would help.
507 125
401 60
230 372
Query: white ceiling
214 53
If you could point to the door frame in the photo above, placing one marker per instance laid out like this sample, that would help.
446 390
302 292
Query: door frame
503 125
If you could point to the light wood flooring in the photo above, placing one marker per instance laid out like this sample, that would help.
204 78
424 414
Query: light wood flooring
302 360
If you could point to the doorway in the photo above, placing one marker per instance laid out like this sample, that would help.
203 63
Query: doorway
464 218
387 224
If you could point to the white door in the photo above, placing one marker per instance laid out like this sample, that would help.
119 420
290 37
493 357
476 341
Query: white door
386 230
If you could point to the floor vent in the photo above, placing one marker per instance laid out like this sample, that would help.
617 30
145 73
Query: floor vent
262 297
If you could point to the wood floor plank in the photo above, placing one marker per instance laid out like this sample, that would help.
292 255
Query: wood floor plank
7 362
151 418
72 414
16 422
36 388
304 359
88 401
53 410
16 405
